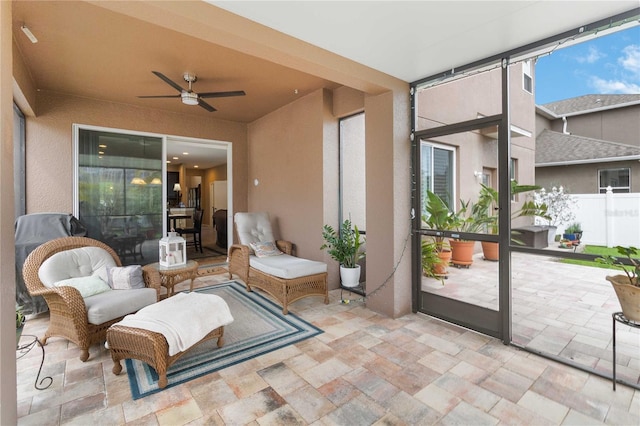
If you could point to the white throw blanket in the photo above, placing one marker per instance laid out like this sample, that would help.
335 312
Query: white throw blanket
183 319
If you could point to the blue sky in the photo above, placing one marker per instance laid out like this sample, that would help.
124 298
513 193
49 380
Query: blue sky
602 65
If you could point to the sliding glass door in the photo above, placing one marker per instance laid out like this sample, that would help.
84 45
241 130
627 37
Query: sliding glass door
119 191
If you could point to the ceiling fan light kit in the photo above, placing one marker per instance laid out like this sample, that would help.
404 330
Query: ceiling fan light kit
188 96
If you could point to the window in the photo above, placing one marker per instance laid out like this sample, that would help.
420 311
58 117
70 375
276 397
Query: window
119 188
527 81
617 179
352 171
438 170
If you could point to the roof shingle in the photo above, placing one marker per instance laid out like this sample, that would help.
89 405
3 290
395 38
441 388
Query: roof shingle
554 147
589 102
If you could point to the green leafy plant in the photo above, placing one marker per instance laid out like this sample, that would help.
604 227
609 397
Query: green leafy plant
574 228
430 259
343 245
475 217
20 318
439 216
632 271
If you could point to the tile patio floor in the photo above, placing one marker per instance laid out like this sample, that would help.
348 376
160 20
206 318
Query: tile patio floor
559 309
364 369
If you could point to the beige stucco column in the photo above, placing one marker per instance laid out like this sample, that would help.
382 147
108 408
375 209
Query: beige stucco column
388 160
8 410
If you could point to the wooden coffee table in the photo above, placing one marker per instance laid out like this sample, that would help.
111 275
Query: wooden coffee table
172 275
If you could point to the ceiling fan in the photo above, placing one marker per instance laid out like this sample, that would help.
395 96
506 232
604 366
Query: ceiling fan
189 97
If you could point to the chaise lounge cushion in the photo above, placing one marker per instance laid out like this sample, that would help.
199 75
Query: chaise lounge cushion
287 266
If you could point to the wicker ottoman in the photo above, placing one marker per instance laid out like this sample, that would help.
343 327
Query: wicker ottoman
151 346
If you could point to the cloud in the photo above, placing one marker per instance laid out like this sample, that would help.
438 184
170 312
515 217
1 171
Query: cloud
592 56
630 61
613 86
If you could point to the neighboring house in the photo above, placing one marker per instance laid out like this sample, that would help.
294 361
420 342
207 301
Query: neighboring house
588 143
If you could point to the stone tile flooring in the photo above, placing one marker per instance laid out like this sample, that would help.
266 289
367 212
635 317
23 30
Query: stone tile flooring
364 369
559 309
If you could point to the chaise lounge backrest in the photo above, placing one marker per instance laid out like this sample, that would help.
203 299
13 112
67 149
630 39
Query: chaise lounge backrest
253 228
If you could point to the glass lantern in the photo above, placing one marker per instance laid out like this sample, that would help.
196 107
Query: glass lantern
173 250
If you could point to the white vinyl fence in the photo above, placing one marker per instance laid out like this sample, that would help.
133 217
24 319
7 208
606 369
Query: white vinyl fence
608 219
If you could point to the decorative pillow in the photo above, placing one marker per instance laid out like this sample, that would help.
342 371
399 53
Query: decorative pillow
87 286
265 249
125 277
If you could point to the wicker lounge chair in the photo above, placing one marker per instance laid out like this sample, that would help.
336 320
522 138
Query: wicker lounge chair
285 277
71 315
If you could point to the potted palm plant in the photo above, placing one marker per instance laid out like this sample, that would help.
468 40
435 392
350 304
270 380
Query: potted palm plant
488 199
431 262
438 216
345 247
626 286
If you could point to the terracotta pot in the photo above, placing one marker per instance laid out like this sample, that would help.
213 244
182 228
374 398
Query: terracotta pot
628 296
491 250
441 269
462 252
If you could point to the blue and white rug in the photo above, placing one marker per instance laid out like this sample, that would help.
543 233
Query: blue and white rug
258 328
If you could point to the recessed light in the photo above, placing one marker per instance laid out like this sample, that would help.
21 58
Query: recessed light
168 161
102 145
100 152
175 158
185 153
195 167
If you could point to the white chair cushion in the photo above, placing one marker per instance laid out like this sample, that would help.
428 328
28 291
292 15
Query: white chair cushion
286 266
74 263
253 228
113 304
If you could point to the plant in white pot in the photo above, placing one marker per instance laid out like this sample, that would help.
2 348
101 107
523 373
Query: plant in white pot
345 247
626 286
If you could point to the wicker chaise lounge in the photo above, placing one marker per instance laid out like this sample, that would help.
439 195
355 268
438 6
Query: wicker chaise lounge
84 321
285 277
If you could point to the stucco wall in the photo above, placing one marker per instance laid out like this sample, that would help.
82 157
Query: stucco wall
49 136
620 125
286 158
583 178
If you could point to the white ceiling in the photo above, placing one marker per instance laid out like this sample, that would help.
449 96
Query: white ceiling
411 40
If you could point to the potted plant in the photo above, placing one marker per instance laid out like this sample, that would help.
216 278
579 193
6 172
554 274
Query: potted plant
626 286
432 265
20 319
469 218
488 200
344 246
437 215
573 232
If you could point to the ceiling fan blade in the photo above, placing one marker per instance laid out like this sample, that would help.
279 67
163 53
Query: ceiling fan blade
221 94
168 81
161 96
205 105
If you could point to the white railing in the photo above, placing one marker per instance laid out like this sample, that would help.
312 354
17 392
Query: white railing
607 219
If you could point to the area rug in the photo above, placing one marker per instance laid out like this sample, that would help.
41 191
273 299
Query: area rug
258 328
